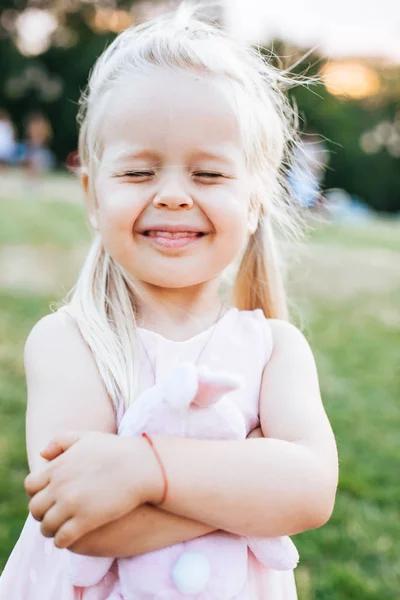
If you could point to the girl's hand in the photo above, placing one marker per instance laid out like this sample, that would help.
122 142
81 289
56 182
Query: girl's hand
94 479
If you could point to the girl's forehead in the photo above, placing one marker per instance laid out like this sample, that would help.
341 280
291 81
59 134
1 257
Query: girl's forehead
227 155
167 109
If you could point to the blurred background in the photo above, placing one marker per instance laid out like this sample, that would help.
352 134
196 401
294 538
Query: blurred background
344 280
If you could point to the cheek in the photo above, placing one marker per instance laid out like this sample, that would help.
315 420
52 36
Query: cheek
118 210
118 206
229 214
229 218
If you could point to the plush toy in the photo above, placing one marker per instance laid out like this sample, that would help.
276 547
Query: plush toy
191 402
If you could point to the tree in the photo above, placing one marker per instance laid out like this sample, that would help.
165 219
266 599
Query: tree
371 174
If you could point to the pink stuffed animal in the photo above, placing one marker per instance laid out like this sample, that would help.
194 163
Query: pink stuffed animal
190 403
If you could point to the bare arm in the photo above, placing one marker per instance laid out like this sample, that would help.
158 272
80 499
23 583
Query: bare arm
60 372
280 485
65 391
143 530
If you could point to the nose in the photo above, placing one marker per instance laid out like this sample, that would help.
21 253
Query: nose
173 196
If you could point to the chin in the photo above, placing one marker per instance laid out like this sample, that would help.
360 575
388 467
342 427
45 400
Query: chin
175 282
173 277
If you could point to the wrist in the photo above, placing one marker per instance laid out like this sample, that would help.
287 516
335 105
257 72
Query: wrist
149 473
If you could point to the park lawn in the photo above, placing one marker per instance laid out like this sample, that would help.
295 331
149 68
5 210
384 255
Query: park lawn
354 556
382 234
28 222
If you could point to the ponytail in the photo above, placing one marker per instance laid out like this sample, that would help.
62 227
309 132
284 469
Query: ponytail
259 280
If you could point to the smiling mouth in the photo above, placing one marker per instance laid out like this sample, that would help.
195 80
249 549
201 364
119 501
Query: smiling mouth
173 235
173 241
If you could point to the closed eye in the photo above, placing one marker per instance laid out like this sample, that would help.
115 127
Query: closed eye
137 174
208 175
144 174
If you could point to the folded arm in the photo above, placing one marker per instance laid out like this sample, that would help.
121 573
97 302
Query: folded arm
281 485
143 530
276 486
54 350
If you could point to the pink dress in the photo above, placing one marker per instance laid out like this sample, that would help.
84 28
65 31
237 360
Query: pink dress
242 343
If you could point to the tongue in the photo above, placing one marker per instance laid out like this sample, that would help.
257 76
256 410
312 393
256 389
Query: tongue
172 235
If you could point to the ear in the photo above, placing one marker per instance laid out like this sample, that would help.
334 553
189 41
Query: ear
85 180
85 185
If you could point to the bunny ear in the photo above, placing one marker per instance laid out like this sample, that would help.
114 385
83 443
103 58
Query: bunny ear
180 388
213 385
278 553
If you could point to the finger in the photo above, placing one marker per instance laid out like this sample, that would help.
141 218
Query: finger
40 504
35 482
51 451
71 531
53 520
63 441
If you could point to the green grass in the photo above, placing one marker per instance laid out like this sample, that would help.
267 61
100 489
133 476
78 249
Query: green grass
17 315
380 233
41 223
354 556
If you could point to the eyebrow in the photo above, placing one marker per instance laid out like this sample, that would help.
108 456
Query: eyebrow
130 154
148 154
208 154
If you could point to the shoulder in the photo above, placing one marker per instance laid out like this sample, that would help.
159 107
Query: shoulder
277 332
284 332
277 336
54 335
55 349
52 325
291 343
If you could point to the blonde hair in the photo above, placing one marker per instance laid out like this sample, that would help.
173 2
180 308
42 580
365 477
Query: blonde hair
103 301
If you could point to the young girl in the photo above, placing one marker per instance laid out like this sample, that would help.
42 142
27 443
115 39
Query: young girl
182 141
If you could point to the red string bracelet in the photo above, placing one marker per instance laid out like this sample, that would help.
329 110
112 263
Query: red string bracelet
164 474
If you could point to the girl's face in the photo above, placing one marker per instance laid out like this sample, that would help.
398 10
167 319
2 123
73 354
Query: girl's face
172 189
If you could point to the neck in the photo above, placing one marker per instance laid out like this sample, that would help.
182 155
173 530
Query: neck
178 312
